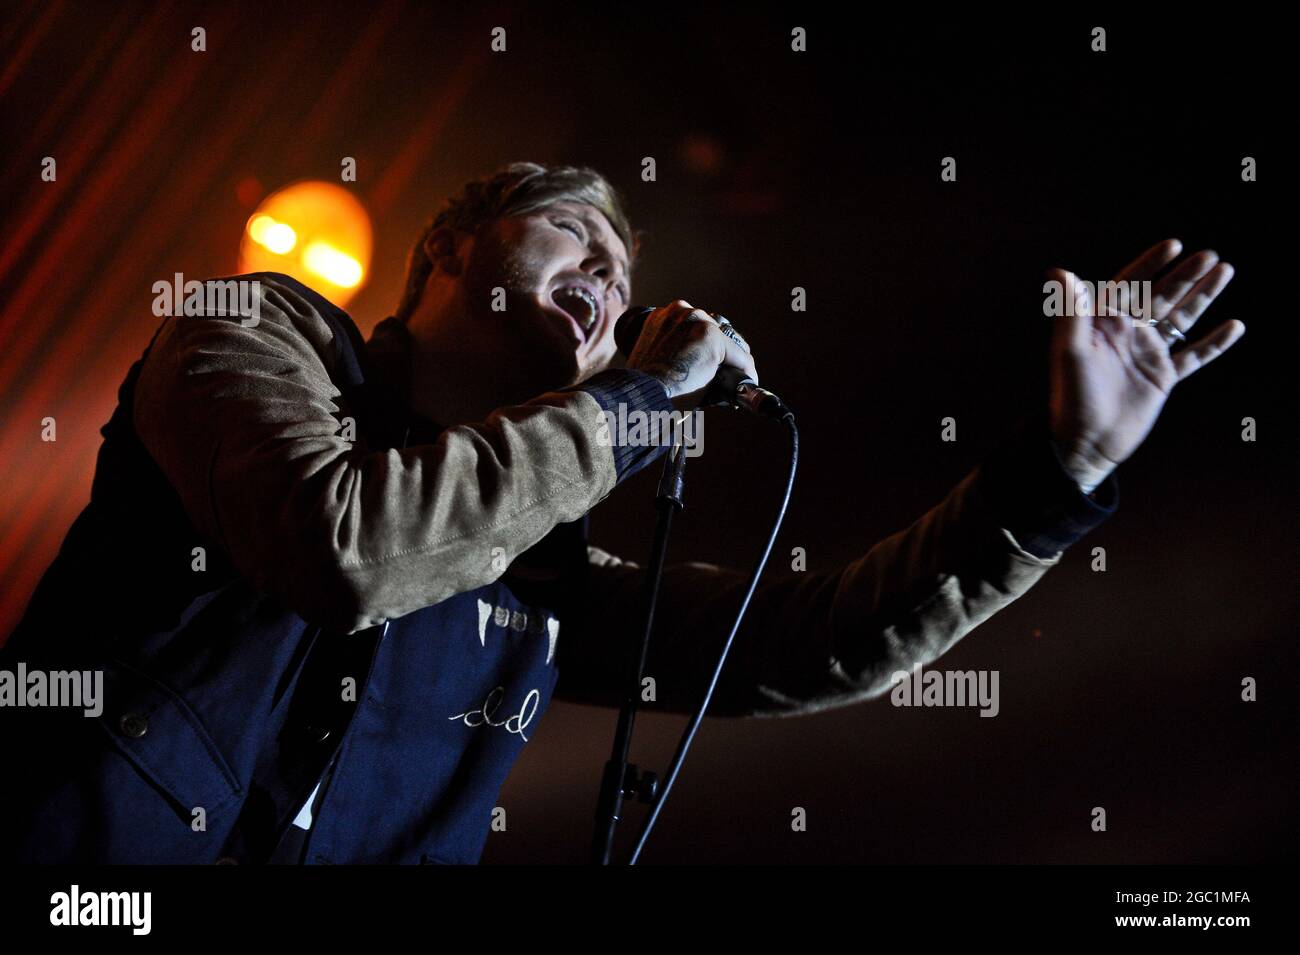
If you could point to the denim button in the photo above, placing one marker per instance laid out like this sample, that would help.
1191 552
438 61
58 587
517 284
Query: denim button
133 725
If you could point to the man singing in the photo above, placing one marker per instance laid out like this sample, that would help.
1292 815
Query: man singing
333 584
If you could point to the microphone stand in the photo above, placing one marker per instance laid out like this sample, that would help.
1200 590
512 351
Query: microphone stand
620 780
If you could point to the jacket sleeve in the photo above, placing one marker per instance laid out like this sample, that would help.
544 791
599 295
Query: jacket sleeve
244 419
814 641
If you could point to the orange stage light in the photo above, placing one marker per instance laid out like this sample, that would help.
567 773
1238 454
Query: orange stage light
317 232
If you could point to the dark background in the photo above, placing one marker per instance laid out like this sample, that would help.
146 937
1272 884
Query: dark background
775 170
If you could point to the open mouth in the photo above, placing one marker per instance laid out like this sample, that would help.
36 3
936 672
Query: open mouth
579 304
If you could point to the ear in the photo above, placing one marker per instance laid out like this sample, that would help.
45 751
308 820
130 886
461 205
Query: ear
443 247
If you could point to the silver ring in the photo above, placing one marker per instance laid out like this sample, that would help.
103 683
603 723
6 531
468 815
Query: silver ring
729 330
1168 331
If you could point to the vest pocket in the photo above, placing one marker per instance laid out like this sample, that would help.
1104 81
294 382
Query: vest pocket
162 737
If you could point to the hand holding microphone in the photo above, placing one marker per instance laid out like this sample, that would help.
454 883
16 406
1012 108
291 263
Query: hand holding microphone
694 353
680 345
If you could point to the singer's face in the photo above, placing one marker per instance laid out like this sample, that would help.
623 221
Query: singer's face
564 273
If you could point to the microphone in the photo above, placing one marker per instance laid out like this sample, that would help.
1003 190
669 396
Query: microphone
730 386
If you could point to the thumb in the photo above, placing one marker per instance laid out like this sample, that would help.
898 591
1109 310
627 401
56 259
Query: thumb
1074 323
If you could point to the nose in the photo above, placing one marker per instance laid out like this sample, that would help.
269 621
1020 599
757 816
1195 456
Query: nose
603 267
601 264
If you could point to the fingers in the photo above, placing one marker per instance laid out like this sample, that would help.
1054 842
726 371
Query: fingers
1192 305
1171 288
680 307
735 350
1074 328
730 331
1141 269
1181 296
1151 261
737 357
727 350
1200 353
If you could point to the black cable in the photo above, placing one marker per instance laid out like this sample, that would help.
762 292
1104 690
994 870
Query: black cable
689 735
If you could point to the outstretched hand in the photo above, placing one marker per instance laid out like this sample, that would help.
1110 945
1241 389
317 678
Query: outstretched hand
1112 374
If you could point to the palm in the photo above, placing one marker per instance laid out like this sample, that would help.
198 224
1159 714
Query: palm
1111 374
